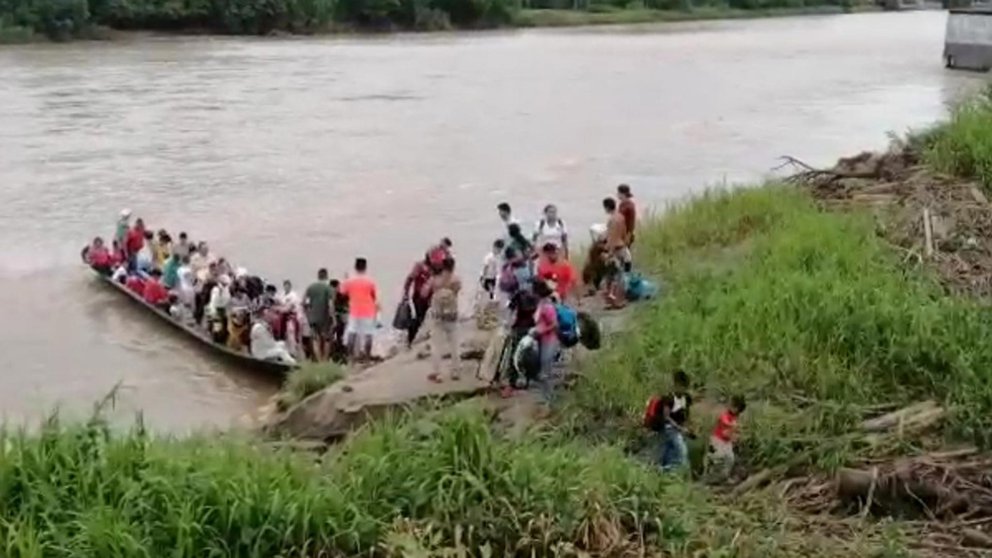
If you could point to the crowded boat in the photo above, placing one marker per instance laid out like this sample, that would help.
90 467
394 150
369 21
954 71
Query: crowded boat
527 276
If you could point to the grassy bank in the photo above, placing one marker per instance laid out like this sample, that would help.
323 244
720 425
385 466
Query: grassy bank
811 314
444 484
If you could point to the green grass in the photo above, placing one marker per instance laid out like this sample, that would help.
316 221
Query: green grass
963 145
572 18
401 487
307 380
806 312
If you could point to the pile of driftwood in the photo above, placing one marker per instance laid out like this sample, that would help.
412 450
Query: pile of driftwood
941 221
946 495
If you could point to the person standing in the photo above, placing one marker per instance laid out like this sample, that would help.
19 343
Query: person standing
672 423
556 271
363 306
628 209
551 229
182 248
546 333
123 227
446 287
417 292
490 268
317 302
505 213
617 252
134 241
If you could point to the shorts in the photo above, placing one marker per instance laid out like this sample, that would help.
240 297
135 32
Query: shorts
360 326
320 329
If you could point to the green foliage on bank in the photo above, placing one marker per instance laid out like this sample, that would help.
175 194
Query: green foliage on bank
963 146
808 313
65 19
400 488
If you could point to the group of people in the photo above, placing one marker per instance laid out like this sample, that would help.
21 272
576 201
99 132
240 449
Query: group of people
530 277
199 290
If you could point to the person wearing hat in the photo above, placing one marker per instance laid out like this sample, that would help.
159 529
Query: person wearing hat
123 225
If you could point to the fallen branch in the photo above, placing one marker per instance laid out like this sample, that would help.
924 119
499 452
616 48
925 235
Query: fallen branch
928 232
901 416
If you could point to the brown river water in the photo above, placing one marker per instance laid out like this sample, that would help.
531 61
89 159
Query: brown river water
288 155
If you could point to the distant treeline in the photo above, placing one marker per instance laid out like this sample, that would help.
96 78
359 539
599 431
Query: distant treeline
64 19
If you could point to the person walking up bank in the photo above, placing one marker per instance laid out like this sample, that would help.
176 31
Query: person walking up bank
669 415
363 306
446 287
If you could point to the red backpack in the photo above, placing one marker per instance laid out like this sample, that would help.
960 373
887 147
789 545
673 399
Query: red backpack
652 413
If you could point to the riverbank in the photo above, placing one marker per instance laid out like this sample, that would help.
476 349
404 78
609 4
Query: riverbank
825 316
630 16
89 23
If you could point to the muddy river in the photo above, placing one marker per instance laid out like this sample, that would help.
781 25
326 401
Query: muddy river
289 155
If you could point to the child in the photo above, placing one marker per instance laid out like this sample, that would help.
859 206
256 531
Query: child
491 267
720 458
669 416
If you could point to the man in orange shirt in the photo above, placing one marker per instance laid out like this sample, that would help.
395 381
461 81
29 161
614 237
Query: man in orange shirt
363 306
555 270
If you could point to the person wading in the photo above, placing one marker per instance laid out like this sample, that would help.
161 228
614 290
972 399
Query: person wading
446 287
317 302
363 305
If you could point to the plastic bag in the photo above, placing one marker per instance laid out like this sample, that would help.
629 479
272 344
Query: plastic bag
404 315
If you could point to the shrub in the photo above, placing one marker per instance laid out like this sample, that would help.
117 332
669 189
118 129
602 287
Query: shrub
963 146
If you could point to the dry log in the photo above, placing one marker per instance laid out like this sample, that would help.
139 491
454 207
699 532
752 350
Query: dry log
756 480
928 232
976 538
894 418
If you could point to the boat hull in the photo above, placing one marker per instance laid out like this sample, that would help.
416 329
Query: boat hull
239 359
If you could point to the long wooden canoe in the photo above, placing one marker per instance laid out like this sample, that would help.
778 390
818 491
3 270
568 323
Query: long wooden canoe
238 358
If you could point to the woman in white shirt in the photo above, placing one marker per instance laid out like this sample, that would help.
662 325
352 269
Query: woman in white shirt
551 230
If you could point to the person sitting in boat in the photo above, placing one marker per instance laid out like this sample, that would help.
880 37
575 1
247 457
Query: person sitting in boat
117 255
179 311
161 248
120 274
264 346
135 284
99 258
216 310
237 328
144 260
155 292
185 287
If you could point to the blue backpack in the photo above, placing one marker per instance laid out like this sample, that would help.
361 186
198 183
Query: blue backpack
568 325
639 288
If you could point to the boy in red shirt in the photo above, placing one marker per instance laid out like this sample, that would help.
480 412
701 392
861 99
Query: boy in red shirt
720 458
155 292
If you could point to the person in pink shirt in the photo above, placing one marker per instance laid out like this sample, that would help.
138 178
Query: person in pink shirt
546 333
363 307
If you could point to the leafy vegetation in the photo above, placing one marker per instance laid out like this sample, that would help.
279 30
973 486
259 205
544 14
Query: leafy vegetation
307 380
402 487
963 146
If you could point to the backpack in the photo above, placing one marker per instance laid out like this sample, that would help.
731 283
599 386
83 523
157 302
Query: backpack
639 288
589 333
652 413
568 325
508 282
527 358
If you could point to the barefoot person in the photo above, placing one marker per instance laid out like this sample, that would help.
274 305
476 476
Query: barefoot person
317 303
417 292
628 209
446 287
363 306
617 252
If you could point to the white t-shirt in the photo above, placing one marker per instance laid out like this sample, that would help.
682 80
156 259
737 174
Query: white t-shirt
490 266
262 342
547 233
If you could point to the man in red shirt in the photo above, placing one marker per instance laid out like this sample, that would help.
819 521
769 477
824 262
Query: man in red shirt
555 270
628 210
720 458
134 241
417 290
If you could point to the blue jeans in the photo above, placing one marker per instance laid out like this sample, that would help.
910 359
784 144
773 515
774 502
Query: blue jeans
674 452
546 380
